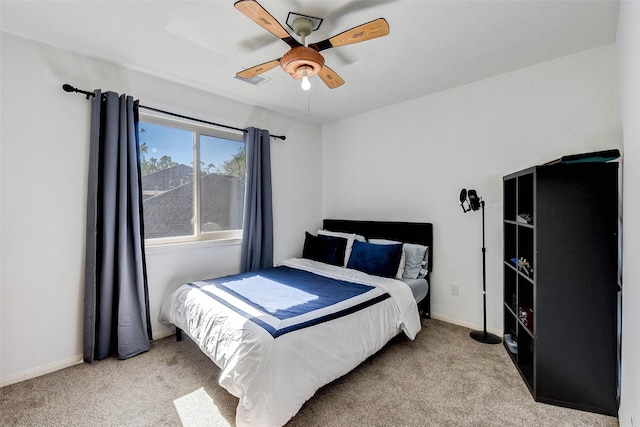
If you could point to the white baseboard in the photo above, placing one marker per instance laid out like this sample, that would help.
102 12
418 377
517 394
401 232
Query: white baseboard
163 333
41 370
62 364
469 325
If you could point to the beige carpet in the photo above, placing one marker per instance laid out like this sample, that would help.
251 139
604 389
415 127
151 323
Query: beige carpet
443 378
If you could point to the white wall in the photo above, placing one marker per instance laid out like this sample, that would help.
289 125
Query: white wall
410 165
44 165
628 59
409 161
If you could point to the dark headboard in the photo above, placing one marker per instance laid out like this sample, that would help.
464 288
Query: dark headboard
409 232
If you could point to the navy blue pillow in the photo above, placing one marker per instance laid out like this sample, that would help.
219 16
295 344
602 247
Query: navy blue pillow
327 249
379 260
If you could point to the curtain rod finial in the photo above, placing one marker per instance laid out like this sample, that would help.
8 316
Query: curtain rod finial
68 88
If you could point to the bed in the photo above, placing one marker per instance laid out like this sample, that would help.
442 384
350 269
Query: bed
410 232
316 321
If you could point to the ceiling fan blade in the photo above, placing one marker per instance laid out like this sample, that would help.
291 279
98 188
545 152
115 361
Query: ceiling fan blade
258 69
260 16
330 78
371 30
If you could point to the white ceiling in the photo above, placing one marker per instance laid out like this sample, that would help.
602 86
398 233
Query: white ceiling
432 45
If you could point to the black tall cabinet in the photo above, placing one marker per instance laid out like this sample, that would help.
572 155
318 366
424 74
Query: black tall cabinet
560 282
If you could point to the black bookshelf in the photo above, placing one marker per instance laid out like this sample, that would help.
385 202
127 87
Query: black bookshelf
560 282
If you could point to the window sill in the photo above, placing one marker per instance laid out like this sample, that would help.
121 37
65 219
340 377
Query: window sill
185 246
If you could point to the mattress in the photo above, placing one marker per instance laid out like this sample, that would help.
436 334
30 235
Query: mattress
419 288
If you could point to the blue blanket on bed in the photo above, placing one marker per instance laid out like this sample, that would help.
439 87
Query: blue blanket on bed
282 294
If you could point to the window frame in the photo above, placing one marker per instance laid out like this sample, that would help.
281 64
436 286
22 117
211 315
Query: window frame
198 129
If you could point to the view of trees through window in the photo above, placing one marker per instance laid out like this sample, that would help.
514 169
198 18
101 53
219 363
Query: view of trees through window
180 201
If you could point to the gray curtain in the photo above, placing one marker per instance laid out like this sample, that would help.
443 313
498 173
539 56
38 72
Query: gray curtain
257 232
116 300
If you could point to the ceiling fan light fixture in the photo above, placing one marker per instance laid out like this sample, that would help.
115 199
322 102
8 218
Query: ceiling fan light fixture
306 84
304 59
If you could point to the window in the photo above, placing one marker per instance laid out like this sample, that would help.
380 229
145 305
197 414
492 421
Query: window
193 180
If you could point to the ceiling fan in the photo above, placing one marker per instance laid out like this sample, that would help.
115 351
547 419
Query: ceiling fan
302 61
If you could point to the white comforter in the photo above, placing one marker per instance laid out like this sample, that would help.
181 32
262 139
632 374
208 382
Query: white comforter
274 377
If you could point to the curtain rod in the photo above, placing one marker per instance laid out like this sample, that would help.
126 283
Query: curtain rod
69 88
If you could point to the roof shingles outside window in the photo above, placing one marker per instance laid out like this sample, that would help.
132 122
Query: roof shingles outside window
168 202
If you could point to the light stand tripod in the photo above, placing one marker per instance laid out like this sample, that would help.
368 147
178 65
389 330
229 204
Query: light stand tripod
474 203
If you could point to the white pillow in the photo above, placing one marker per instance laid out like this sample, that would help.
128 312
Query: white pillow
417 257
402 258
350 238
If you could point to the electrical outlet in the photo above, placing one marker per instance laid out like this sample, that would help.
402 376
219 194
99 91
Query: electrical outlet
454 289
